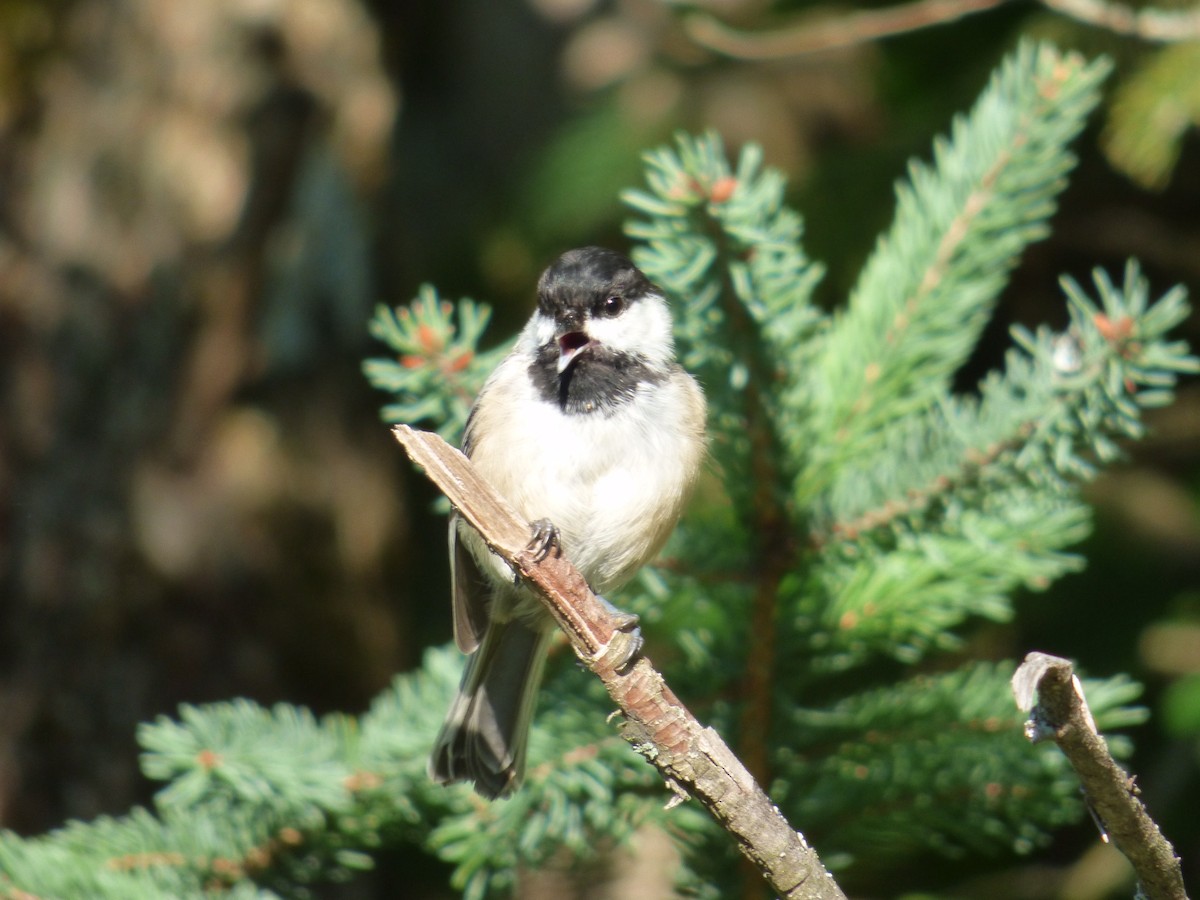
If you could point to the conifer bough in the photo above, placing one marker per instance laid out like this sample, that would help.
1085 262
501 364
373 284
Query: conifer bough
693 759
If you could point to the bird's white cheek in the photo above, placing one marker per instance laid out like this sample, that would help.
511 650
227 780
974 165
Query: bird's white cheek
643 330
539 331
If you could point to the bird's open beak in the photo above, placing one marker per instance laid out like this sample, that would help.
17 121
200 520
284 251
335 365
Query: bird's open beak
570 345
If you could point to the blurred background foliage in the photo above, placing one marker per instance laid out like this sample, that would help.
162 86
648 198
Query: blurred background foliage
200 203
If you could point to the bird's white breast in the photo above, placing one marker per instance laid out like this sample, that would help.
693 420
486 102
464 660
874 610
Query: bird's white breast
614 484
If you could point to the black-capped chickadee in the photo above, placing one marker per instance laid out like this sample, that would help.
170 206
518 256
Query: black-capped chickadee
591 427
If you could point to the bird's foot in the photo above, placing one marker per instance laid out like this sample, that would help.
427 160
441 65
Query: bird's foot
544 539
626 644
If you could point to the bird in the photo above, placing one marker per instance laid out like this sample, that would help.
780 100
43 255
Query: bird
594 433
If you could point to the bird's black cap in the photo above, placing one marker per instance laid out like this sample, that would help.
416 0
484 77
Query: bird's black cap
581 279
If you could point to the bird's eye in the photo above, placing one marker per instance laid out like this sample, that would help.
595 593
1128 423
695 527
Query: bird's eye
612 306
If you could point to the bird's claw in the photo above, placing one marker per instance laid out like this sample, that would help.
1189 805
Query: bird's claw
626 644
544 540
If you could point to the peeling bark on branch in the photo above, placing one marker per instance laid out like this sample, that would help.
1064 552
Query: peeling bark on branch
692 758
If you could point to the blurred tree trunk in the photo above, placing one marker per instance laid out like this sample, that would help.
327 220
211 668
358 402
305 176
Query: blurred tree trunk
194 501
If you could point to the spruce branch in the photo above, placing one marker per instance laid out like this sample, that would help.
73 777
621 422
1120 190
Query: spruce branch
903 592
438 368
922 508
899 766
747 285
693 759
1049 418
960 226
1046 687
979 496
722 242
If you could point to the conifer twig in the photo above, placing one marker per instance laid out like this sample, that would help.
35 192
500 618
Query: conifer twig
1061 714
692 758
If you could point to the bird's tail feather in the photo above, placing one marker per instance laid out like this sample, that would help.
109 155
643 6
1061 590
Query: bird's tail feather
486 731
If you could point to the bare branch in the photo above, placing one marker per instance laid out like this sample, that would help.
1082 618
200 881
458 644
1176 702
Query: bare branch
820 32
813 34
1062 714
692 758
1148 23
